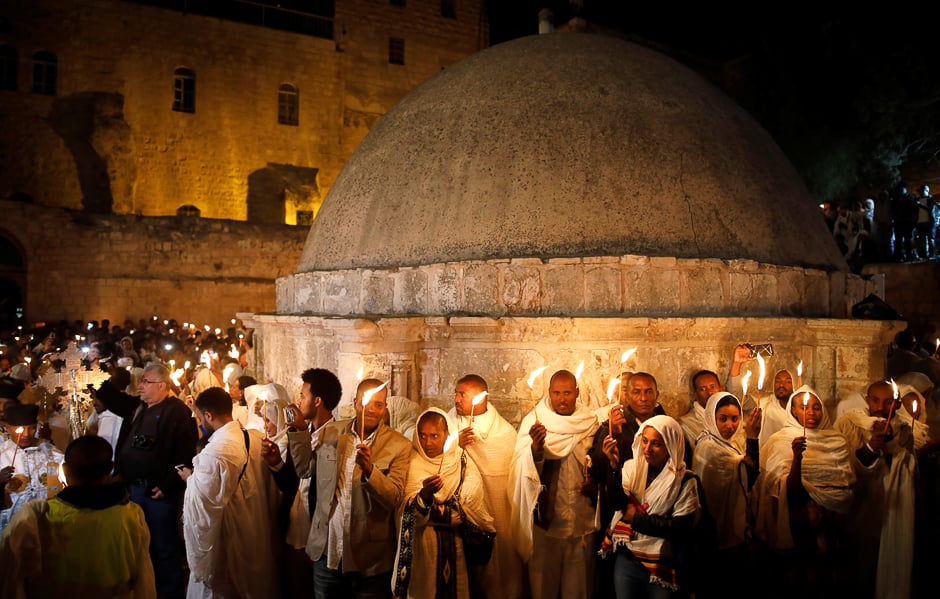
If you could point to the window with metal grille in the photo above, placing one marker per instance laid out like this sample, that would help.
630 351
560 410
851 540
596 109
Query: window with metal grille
44 73
8 60
288 105
184 90
188 210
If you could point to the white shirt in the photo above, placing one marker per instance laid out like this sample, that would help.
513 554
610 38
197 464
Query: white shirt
298 527
336 551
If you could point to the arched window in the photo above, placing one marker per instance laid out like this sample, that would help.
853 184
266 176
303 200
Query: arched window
188 210
44 73
288 105
184 90
8 60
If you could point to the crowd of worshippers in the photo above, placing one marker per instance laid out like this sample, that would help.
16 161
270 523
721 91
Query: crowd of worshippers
897 225
201 492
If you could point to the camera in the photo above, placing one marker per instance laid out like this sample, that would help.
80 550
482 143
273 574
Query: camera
143 441
764 349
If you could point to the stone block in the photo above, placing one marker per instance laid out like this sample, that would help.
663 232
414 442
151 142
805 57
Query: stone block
631 260
340 291
564 261
837 307
563 292
378 291
816 294
307 292
752 293
481 289
602 291
520 289
443 289
703 290
411 291
662 262
649 292
790 291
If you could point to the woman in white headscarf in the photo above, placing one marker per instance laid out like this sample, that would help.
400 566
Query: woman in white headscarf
266 404
430 560
804 490
647 534
727 475
914 388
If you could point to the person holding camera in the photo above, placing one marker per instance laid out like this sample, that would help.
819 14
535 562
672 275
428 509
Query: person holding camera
162 434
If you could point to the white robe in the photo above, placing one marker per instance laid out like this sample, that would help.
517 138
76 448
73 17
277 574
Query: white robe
36 475
492 452
886 497
566 435
227 522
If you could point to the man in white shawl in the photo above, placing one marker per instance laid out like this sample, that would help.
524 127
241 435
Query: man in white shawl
883 519
443 487
488 441
552 520
227 515
774 410
805 488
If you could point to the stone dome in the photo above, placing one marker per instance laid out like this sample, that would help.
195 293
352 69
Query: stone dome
567 145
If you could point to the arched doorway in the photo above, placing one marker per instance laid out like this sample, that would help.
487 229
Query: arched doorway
12 283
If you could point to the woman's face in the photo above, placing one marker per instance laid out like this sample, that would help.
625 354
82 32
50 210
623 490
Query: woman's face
728 418
808 414
653 447
431 436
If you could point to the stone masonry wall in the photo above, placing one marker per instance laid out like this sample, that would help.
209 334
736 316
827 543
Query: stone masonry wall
603 286
423 357
93 267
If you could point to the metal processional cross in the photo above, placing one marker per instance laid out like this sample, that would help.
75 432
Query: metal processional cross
74 379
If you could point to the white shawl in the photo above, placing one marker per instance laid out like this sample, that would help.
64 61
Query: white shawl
827 474
720 466
919 426
659 498
564 433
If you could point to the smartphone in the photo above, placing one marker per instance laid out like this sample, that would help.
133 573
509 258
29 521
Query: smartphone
179 467
288 416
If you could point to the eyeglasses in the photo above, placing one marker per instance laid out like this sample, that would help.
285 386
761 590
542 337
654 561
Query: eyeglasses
146 382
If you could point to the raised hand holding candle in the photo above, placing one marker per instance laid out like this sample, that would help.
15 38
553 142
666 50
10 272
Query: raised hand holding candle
366 398
479 397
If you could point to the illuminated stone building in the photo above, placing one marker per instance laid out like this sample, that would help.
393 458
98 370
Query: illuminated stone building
164 108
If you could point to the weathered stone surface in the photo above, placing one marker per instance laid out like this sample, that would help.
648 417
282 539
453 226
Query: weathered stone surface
340 293
520 289
378 293
444 288
582 187
411 291
651 292
563 290
481 289
602 291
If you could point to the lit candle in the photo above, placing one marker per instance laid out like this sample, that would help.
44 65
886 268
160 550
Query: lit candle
175 376
233 353
744 381
172 364
578 372
450 441
760 378
359 375
186 365
623 360
475 402
799 374
805 403
897 395
19 435
366 398
531 382
612 386
233 321
937 349
914 410
218 331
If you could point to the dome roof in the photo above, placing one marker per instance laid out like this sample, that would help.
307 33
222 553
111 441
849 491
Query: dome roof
566 145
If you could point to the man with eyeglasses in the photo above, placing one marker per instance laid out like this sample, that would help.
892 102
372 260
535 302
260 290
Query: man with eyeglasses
162 435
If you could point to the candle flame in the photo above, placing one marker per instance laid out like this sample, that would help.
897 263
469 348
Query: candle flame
359 374
187 365
478 398
611 388
535 374
626 355
172 364
744 381
579 371
938 346
760 377
914 408
218 331
19 430
799 368
894 387
233 353
805 399
367 396
205 358
208 328
176 376
450 441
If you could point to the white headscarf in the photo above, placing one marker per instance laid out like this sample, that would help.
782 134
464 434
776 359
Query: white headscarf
663 491
422 467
